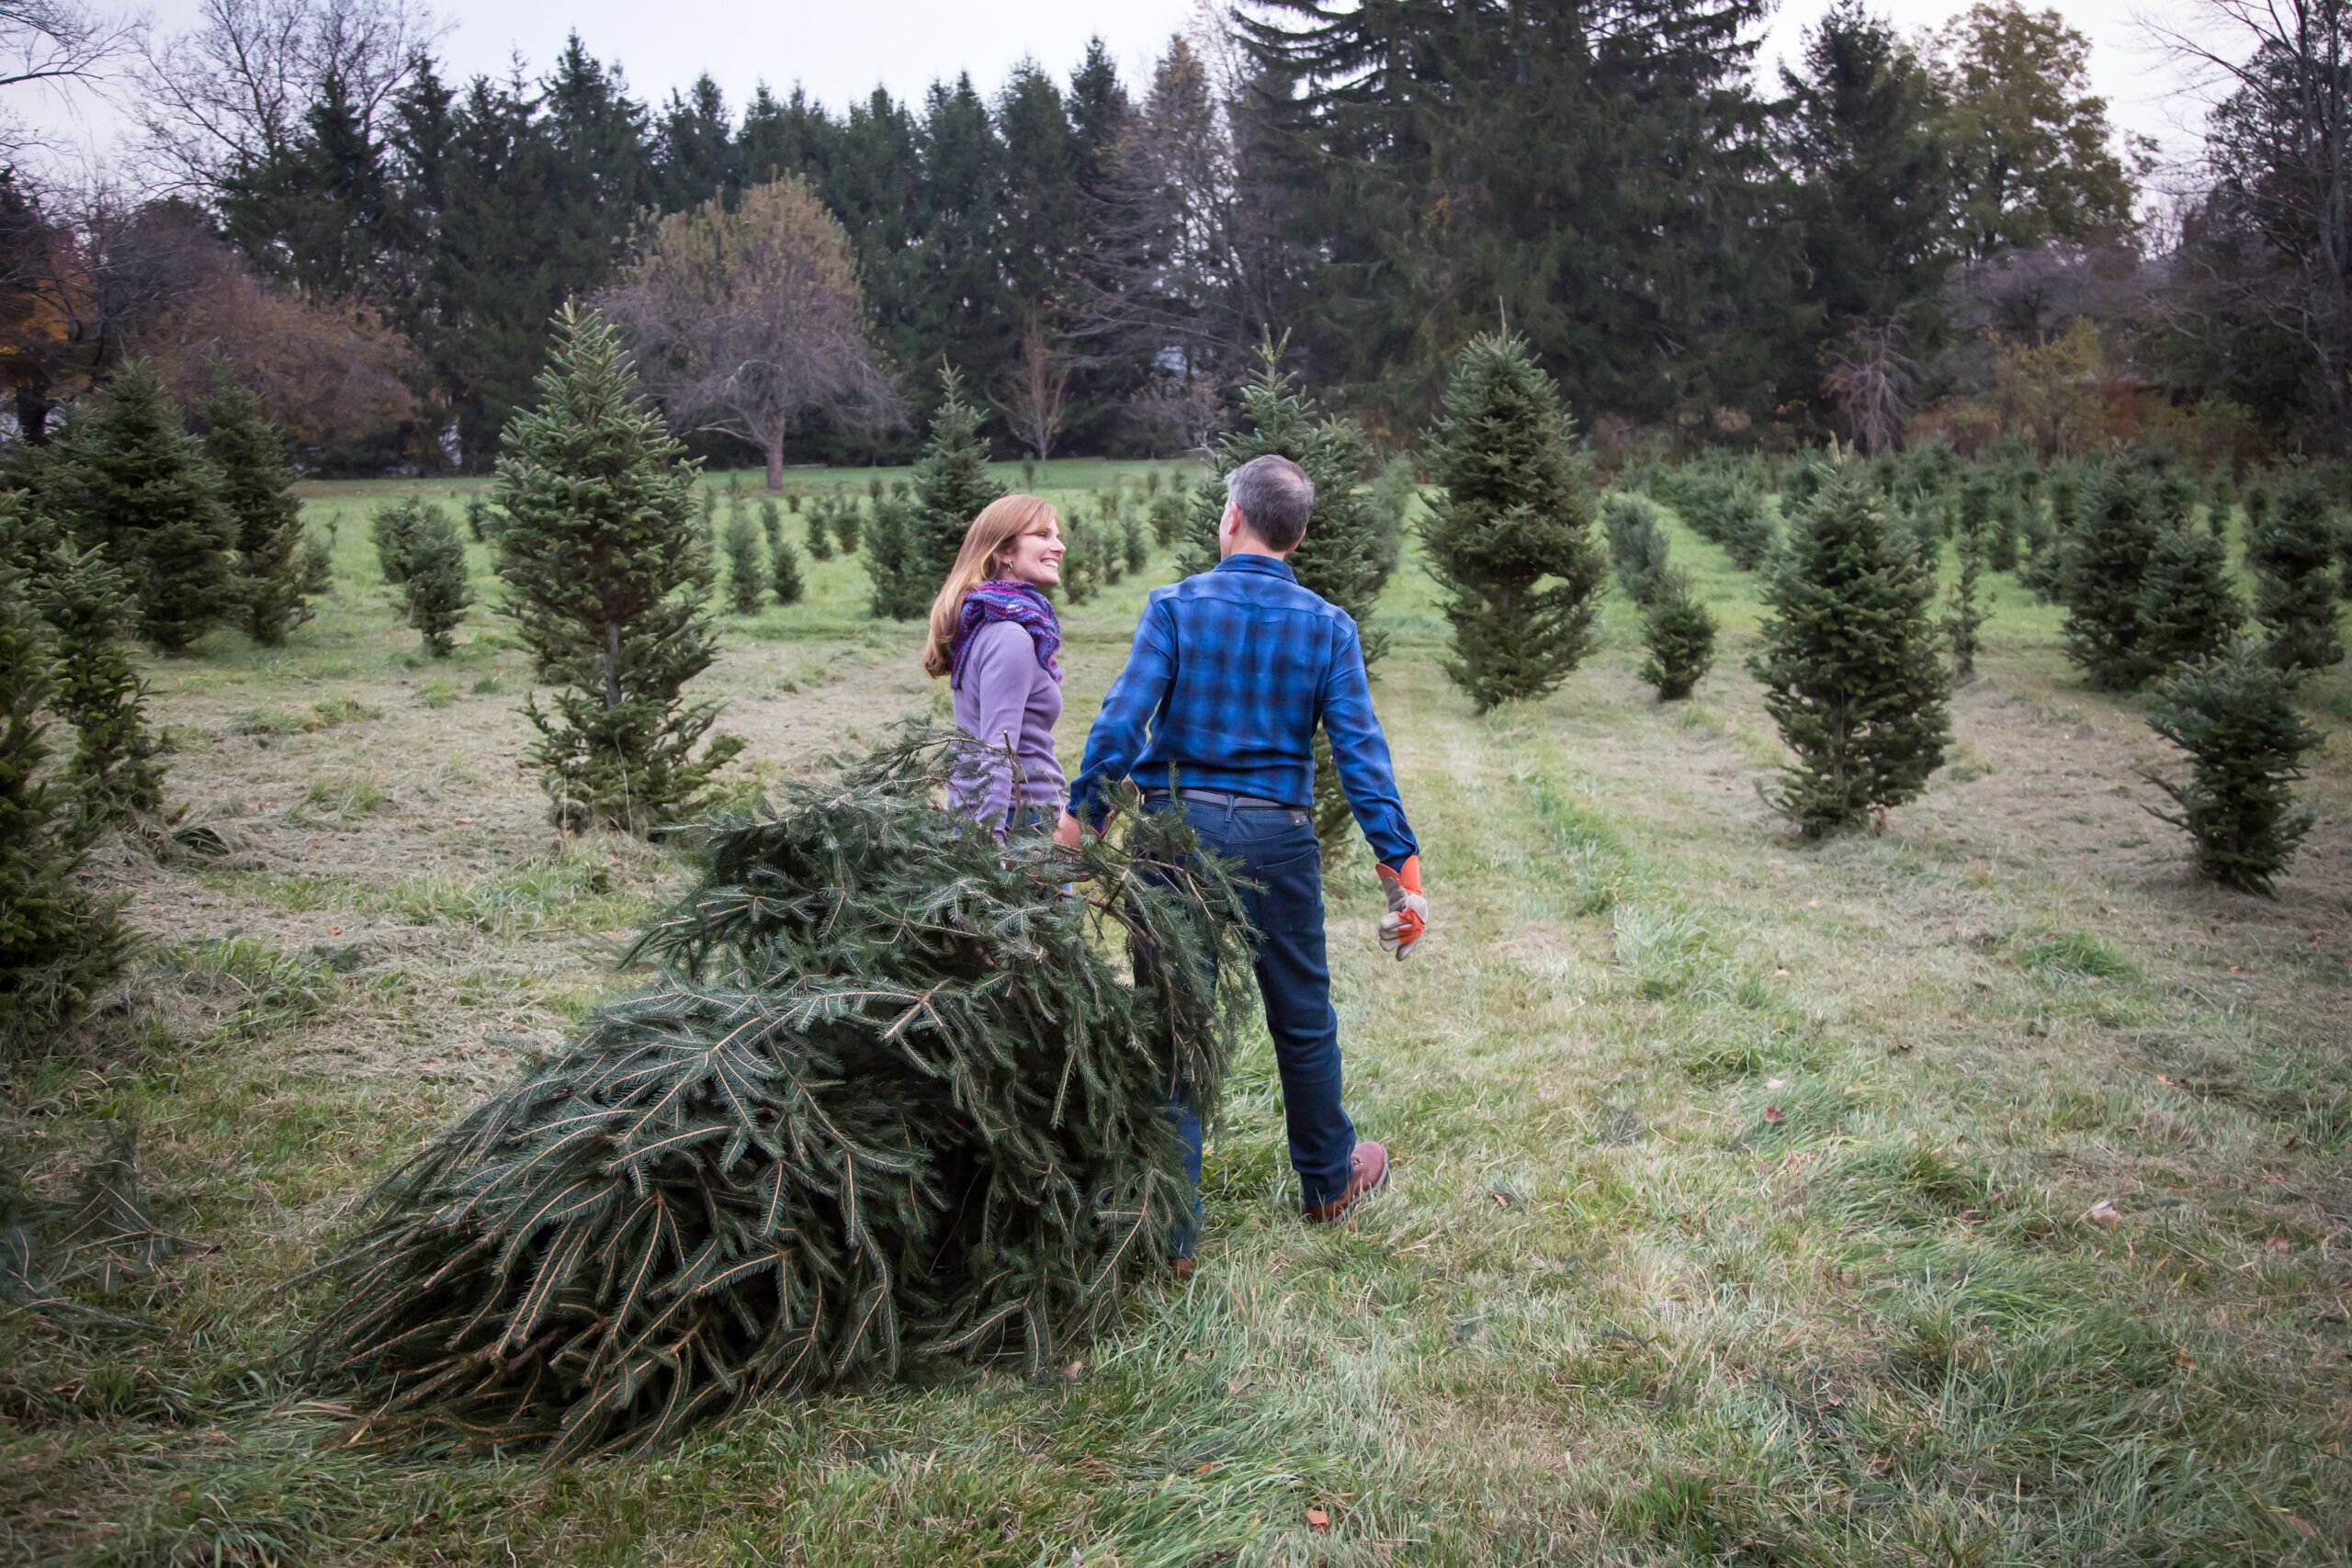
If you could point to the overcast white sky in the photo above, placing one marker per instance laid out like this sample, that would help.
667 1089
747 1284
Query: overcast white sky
842 49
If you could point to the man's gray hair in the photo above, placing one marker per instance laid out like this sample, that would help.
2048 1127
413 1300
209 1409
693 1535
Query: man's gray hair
1275 497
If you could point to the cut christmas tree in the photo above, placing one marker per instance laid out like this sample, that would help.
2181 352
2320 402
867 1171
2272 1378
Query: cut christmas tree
892 1097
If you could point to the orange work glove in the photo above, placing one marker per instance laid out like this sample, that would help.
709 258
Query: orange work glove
1409 912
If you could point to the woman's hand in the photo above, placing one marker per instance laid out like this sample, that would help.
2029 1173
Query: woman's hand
1066 832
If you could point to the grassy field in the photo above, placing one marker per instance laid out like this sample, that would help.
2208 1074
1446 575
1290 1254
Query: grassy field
1744 1205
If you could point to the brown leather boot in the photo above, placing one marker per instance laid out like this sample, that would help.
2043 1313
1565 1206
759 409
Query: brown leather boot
1367 1174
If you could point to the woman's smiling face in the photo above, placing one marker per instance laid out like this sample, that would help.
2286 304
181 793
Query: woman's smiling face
1035 556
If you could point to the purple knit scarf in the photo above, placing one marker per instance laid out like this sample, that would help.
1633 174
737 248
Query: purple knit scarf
999 599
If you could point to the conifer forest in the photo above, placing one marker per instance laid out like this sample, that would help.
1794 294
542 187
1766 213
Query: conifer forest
506 1057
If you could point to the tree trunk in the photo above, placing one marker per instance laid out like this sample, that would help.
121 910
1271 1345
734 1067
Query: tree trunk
775 464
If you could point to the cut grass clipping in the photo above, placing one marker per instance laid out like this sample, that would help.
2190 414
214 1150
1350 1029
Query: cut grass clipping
891 1098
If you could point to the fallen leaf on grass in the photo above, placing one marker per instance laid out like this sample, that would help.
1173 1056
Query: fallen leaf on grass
2277 1244
2183 1359
1774 1115
1776 1083
2104 1213
1316 1519
1075 1371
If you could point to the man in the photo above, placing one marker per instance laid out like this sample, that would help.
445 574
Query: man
1215 714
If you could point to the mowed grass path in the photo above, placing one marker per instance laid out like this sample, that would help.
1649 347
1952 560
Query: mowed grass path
1744 1198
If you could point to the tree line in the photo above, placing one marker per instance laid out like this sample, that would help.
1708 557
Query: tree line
1895 228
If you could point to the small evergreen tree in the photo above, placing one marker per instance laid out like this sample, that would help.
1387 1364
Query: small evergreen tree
2001 542
59 945
478 517
139 484
94 686
394 529
1081 559
1849 664
1133 544
746 576
1965 619
2188 608
952 484
893 566
1637 545
2234 713
820 543
318 567
788 586
257 487
2293 557
2114 537
2221 500
1341 558
608 582
847 519
438 591
1748 533
1167 514
1509 532
772 524
1679 635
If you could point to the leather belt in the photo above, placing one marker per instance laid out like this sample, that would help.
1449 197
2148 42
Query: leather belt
1222 797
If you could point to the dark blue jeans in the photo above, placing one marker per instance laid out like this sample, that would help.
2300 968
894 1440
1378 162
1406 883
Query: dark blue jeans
1281 869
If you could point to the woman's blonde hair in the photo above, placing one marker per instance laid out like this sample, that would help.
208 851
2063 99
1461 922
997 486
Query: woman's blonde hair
985 542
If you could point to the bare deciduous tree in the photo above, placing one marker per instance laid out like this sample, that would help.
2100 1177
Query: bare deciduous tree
229 94
49 40
1871 381
1036 403
2273 237
746 322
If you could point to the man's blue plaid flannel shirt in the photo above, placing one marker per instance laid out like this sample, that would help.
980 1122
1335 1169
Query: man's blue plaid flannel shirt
1230 673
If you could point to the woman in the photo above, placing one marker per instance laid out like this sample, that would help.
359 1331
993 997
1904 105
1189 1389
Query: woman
995 636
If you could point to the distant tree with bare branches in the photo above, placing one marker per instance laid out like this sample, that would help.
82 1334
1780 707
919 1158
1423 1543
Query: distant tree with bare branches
1035 404
749 320
1870 382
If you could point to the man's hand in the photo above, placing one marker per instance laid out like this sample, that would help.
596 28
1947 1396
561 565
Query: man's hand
1409 912
1066 832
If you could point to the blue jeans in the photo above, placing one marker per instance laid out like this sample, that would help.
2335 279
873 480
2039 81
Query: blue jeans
1280 867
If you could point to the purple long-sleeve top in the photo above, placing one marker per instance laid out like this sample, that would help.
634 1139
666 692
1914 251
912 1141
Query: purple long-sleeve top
1004 696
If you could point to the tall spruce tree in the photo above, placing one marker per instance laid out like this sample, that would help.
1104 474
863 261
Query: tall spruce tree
95 686
608 578
1510 534
136 482
257 487
2293 557
2234 713
1848 663
1341 557
1859 128
59 945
